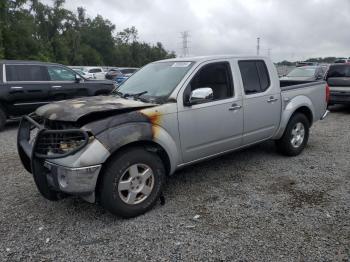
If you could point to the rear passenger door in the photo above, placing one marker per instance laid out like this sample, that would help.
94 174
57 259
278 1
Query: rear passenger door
63 84
261 101
27 87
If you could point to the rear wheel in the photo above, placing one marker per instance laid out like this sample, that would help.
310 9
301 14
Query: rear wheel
295 136
2 119
132 182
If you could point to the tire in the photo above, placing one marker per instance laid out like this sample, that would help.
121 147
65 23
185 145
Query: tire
121 189
2 119
293 142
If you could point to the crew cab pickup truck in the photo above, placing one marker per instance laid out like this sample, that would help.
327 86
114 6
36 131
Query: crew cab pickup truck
26 85
118 149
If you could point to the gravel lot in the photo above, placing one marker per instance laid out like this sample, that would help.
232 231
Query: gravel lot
252 205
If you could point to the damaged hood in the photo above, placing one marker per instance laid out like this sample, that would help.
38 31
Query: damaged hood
74 109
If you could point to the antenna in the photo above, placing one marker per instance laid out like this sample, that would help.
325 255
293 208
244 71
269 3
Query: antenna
258 46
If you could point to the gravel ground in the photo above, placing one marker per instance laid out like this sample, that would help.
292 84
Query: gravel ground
249 205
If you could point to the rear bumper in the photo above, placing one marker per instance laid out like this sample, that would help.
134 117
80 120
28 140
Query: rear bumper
325 114
339 98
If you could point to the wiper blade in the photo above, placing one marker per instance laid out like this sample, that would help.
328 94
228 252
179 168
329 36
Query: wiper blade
135 96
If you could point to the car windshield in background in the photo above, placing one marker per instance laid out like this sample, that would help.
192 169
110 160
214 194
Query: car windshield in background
302 72
158 79
339 71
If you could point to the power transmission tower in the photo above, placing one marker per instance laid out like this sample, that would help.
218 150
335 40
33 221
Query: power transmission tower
185 49
258 46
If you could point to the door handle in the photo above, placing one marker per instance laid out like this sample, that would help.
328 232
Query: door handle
272 99
56 86
16 87
235 107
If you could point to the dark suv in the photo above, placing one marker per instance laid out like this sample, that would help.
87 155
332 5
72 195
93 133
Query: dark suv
26 85
338 79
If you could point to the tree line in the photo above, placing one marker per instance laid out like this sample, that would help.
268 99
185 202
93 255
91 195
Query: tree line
31 30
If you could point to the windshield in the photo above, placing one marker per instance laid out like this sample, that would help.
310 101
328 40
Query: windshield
157 79
302 72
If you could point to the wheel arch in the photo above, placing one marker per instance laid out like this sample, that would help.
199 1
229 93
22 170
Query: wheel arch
299 104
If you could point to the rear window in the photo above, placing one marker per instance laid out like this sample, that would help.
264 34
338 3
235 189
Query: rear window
255 76
128 71
95 70
26 73
338 71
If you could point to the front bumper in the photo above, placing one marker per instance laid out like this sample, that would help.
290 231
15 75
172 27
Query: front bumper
69 180
74 173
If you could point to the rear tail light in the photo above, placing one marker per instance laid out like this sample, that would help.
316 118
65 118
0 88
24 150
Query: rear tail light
328 93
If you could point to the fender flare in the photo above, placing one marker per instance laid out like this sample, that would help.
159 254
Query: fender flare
297 103
115 138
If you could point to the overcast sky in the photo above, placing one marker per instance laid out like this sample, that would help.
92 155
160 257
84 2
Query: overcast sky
293 29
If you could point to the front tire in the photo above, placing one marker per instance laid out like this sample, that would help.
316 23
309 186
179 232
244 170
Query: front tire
295 137
132 182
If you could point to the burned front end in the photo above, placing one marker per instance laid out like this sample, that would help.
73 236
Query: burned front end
63 158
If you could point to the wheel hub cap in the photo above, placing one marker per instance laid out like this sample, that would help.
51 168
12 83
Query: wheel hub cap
298 134
136 184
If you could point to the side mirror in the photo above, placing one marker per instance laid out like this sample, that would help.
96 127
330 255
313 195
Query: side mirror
201 95
77 78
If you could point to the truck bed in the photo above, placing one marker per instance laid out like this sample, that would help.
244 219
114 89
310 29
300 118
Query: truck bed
311 92
293 84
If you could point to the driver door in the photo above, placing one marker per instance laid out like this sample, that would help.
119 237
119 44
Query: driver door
215 126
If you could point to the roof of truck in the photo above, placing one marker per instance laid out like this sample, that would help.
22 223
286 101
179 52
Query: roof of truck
208 58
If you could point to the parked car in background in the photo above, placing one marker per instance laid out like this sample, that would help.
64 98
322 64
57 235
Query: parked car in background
84 74
304 63
26 85
120 74
97 72
338 79
306 73
342 61
170 114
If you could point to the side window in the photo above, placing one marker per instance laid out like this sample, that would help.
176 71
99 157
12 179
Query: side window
255 76
217 76
58 73
263 75
26 73
95 70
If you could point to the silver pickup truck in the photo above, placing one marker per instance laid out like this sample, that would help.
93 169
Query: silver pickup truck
118 149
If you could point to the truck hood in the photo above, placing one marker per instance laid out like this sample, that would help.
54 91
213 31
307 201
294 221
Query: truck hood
99 106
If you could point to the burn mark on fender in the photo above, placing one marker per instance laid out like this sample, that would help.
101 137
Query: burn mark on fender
154 118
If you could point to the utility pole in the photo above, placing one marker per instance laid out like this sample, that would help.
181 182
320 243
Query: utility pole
258 46
185 49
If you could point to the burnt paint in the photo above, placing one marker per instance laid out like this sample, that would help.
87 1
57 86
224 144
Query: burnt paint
119 130
74 109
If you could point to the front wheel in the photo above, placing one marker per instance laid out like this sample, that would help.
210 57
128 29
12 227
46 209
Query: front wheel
132 182
295 137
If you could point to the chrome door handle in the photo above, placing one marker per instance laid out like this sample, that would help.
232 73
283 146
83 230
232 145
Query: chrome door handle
56 86
235 107
16 87
272 99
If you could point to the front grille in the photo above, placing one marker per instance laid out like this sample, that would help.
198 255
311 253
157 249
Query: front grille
56 143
